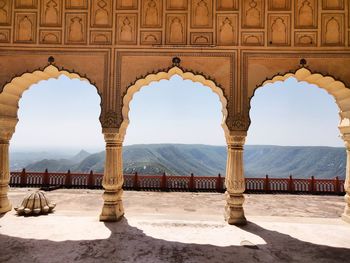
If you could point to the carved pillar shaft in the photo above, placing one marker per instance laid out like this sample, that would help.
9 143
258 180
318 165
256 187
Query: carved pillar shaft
235 183
346 214
113 179
5 205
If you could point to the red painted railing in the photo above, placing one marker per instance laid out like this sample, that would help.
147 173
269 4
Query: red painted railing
177 183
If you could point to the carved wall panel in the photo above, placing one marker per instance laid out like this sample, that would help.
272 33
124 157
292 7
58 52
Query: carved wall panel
306 14
5 35
202 13
50 37
101 13
127 4
201 38
126 31
333 4
5 12
25 28
332 29
76 28
51 13
101 37
76 4
176 29
252 38
227 30
227 5
176 4
151 37
23 4
278 30
253 12
305 39
152 13
279 5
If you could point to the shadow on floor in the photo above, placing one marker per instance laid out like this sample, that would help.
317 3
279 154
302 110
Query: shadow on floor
130 244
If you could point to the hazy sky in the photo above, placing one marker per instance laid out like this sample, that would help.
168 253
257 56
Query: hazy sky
63 114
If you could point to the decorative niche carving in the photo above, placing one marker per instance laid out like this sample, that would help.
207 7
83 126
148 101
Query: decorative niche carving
253 14
253 38
126 29
333 4
50 37
25 28
332 30
279 5
279 30
176 4
201 38
305 39
101 37
76 4
51 13
76 24
151 37
101 13
227 5
202 13
176 29
5 35
227 29
306 14
127 4
152 13
30 4
5 12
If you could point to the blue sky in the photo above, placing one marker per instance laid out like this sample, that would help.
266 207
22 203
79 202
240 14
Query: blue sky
174 111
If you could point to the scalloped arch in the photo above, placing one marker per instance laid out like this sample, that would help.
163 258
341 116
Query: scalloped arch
12 91
334 87
139 84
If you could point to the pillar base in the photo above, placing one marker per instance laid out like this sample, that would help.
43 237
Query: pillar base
112 212
5 206
235 216
234 212
345 218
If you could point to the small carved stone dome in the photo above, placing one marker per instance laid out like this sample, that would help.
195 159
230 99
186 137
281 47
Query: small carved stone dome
35 204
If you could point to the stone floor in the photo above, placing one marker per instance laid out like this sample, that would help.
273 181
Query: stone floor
177 227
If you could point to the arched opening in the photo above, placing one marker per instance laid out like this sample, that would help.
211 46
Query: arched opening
9 105
175 128
166 75
306 80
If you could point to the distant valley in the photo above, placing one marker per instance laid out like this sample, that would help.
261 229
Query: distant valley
184 159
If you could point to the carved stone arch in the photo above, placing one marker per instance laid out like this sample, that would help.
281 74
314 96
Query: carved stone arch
335 88
167 74
11 92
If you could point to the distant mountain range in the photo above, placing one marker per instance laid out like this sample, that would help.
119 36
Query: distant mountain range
183 159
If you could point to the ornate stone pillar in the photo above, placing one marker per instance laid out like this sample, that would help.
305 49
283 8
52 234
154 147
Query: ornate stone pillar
346 214
113 177
7 127
235 183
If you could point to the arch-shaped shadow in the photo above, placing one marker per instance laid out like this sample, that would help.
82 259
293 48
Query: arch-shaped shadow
129 244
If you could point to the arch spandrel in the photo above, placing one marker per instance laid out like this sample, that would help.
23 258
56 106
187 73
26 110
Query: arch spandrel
166 75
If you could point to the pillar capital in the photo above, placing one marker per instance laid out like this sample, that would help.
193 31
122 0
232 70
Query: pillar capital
236 138
7 128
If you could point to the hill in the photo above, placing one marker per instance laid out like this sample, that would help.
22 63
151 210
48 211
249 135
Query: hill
183 159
